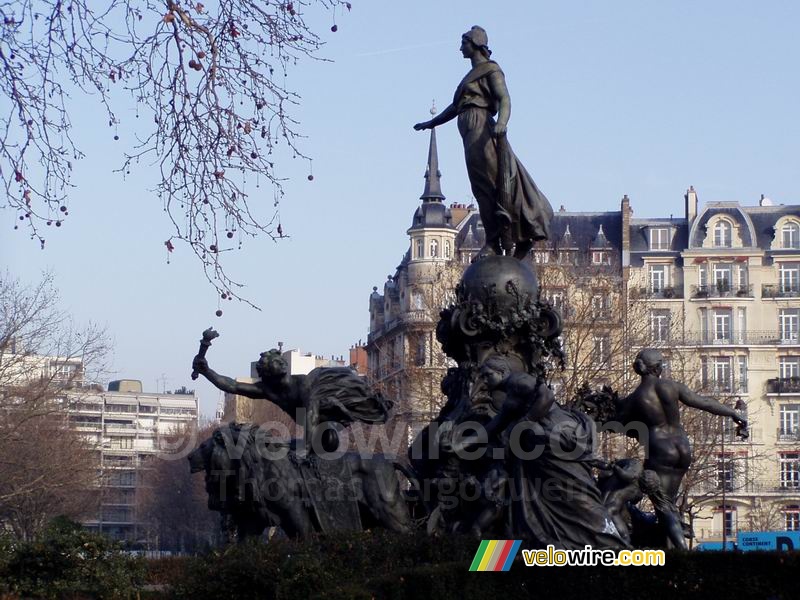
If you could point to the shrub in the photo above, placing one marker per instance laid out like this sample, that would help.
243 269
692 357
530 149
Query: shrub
69 561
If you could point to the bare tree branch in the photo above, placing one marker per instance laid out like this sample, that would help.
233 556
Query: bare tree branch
209 82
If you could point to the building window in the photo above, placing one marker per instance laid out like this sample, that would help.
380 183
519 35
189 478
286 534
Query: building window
789 322
716 373
541 258
659 325
601 257
790 469
789 422
790 367
789 277
602 350
658 278
122 443
742 387
722 234
600 306
420 249
725 468
728 520
447 249
419 354
790 235
659 238
567 257
792 518
556 299
434 248
723 276
417 301
722 326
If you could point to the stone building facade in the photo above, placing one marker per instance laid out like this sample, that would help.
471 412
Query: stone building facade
717 289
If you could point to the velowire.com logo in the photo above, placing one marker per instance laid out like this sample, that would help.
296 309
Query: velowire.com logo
495 555
498 555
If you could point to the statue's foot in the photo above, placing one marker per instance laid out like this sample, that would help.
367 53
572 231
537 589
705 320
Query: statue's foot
488 250
522 249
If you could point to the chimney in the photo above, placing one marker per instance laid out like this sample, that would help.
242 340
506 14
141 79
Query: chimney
691 205
625 209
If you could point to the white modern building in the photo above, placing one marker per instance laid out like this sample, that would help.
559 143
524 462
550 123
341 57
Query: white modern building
125 423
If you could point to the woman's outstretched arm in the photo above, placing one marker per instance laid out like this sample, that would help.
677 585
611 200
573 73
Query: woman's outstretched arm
448 114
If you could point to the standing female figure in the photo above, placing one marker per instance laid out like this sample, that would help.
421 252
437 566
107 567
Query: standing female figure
514 212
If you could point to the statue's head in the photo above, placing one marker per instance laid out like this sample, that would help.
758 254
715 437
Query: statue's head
494 371
478 39
271 365
649 362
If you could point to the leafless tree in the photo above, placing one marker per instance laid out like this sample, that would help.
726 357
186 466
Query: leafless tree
209 83
172 502
46 468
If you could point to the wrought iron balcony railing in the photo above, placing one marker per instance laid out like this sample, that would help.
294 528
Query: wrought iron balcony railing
722 290
784 434
664 293
783 385
717 338
780 291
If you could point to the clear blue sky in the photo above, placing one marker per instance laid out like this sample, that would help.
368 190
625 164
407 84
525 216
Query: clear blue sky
635 97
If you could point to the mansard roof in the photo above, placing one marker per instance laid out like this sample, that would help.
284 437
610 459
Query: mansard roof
730 209
583 229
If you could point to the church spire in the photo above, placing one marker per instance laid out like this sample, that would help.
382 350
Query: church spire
433 185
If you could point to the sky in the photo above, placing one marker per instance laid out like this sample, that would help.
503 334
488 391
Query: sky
635 97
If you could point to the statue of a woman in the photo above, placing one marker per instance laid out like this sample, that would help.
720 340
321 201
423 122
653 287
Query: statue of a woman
514 212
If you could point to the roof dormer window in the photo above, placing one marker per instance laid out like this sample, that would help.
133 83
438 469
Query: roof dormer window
722 234
790 235
659 238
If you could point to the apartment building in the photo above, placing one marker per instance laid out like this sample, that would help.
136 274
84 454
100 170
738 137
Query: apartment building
717 289
125 424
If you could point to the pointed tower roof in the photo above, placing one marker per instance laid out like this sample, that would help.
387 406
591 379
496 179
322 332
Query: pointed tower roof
433 184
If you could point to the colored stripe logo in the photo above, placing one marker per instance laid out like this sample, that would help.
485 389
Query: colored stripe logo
495 555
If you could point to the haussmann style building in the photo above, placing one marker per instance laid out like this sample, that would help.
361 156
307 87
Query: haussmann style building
717 289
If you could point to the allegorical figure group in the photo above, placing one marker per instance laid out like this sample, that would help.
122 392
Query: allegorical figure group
538 477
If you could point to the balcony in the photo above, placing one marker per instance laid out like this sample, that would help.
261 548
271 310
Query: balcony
721 290
121 427
736 338
748 487
772 292
788 435
788 385
665 293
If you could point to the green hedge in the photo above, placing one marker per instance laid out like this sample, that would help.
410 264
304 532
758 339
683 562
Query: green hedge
68 562
71 563
385 565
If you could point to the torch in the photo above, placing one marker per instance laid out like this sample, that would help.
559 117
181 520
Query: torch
208 335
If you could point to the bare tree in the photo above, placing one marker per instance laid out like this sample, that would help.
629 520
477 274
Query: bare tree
46 468
208 82
600 321
172 502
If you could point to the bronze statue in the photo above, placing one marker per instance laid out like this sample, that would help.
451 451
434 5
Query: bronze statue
256 481
326 394
514 212
655 403
624 483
